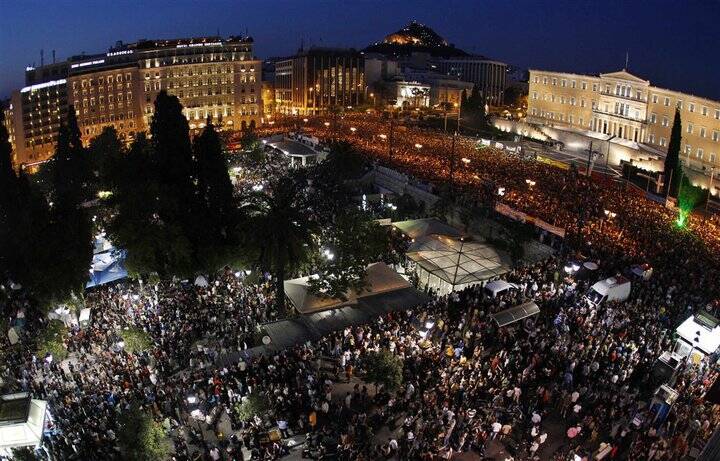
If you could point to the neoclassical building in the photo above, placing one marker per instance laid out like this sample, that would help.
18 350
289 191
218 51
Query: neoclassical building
215 78
628 111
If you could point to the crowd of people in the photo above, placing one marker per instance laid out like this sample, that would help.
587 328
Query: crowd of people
577 377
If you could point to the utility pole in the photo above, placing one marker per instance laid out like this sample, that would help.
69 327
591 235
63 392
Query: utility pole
589 159
712 170
452 162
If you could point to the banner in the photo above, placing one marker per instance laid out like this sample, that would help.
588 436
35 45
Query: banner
523 217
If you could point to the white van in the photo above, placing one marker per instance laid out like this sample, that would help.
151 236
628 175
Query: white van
611 289
497 287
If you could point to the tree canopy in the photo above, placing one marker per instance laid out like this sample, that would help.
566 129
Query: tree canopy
672 174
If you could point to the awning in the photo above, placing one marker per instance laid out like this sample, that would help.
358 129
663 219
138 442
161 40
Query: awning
515 314
496 286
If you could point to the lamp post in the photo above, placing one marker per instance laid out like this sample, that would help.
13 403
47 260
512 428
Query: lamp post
710 186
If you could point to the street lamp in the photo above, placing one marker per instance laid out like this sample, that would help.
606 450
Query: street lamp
501 191
418 145
326 124
353 129
610 214
530 182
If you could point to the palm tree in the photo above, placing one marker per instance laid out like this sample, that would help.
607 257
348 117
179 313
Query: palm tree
281 229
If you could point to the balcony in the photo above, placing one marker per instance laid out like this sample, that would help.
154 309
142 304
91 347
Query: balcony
624 117
619 96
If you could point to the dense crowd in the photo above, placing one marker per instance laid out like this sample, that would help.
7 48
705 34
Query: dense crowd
574 377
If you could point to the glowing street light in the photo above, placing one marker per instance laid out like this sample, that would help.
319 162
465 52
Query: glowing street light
418 145
353 129
383 136
465 160
326 123
305 120
501 191
530 182
610 214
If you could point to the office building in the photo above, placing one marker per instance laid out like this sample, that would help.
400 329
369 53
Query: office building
487 75
213 77
318 79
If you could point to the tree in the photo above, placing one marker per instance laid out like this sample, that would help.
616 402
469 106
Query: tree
153 244
215 193
280 226
105 153
71 236
473 109
174 173
251 405
141 438
383 369
672 173
349 245
135 339
9 205
343 162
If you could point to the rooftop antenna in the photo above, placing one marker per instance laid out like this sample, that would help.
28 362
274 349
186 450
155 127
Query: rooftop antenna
627 58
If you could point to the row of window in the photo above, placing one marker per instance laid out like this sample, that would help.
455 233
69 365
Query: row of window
108 89
109 79
626 91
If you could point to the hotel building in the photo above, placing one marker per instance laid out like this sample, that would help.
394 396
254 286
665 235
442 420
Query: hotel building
318 79
627 111
213 77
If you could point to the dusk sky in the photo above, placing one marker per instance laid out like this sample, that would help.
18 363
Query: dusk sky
671 43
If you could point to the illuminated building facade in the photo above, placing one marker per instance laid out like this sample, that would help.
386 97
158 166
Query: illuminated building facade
488 76
214 78
626 109
318 79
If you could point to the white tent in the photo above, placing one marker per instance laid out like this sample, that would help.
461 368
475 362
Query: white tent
699 332
446 264
380 278
201 281
22 420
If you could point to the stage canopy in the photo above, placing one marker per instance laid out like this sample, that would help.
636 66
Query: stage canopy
380 279
446 264
416 228
515 314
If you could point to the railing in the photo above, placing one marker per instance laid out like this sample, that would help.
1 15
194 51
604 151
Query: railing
629 98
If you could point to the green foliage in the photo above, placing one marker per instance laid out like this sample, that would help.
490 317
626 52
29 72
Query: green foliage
473 109
349 244
689 197
280 228
29 226
344 162
52 339
105 154
383 368
23 454
253 404
174 211
141 438
135 339
217 207
672 173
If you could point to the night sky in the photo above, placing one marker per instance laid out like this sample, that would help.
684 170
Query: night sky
672 43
